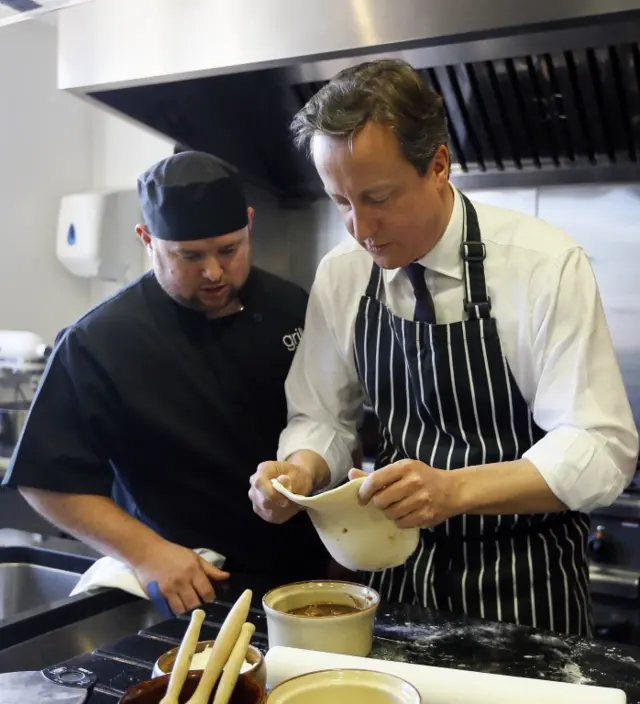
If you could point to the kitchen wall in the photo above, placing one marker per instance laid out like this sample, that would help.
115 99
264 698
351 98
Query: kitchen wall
51 144
121 151
605 222
45 139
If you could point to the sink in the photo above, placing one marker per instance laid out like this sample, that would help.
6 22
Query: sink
25 586
35 583
32 578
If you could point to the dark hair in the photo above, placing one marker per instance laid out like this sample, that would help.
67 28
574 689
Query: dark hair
387 91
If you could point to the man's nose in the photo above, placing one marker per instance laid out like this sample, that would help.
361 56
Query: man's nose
212 269
363 226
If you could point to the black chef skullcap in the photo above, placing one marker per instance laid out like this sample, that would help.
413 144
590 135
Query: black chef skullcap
191 196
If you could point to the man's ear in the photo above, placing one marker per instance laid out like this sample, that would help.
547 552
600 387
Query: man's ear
145 237
250 217
441 164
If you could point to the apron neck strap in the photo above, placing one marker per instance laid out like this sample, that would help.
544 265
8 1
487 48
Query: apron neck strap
375 282
473 252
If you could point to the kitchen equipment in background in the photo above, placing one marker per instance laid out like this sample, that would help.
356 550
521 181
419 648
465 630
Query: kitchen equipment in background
347 633
614 554
12 419
23 357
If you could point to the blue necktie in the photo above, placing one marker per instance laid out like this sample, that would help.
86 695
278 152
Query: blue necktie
425 311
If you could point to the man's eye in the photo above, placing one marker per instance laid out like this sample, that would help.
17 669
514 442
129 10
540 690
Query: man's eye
378 200
189 257
227 251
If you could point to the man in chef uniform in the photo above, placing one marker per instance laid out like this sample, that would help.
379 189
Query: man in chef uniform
173 391
478 336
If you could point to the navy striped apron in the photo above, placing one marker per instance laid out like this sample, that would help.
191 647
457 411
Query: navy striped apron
444 395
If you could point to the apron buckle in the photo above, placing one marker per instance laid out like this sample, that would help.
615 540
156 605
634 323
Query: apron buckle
483 308
473 251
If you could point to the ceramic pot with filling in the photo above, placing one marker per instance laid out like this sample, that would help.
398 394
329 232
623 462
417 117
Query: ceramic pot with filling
334 617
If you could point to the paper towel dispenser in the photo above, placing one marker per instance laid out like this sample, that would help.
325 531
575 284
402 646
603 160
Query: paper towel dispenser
96 237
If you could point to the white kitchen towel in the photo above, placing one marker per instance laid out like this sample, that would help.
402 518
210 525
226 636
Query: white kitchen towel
440 685
108 572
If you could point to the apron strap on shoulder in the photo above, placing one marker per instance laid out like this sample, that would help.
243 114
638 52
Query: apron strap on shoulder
473 252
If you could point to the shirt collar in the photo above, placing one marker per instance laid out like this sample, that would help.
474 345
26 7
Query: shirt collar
444 258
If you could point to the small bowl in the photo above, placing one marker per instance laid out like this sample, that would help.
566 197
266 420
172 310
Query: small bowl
164 664
353 686
247 690
348 634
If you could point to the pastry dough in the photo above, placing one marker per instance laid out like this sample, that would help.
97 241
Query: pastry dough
358 537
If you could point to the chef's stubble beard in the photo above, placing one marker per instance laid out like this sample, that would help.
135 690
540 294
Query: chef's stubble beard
194 303
229 306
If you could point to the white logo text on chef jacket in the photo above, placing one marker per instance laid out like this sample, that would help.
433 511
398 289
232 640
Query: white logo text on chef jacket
292 340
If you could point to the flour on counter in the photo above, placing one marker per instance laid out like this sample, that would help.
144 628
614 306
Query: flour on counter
574 674
492 648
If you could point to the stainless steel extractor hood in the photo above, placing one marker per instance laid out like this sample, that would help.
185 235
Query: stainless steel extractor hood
540 92
12 11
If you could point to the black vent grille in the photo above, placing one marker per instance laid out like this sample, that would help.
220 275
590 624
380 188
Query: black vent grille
555 113
542 112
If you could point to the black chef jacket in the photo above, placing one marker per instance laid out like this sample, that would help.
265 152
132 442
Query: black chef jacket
176 411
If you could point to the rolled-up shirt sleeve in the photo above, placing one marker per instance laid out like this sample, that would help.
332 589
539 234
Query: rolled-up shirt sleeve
324 394
590 451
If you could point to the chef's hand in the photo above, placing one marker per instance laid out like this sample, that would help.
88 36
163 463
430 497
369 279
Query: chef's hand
183 577
270 504
409 492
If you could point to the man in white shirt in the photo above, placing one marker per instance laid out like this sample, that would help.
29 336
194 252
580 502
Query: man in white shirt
478 337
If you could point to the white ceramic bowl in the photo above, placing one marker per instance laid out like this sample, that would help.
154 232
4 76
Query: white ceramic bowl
349 634
341 686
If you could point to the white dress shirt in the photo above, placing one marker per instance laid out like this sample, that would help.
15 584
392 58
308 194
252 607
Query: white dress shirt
553 333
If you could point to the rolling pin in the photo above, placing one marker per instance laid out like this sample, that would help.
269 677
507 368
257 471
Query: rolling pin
183 660
233 667
222 647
